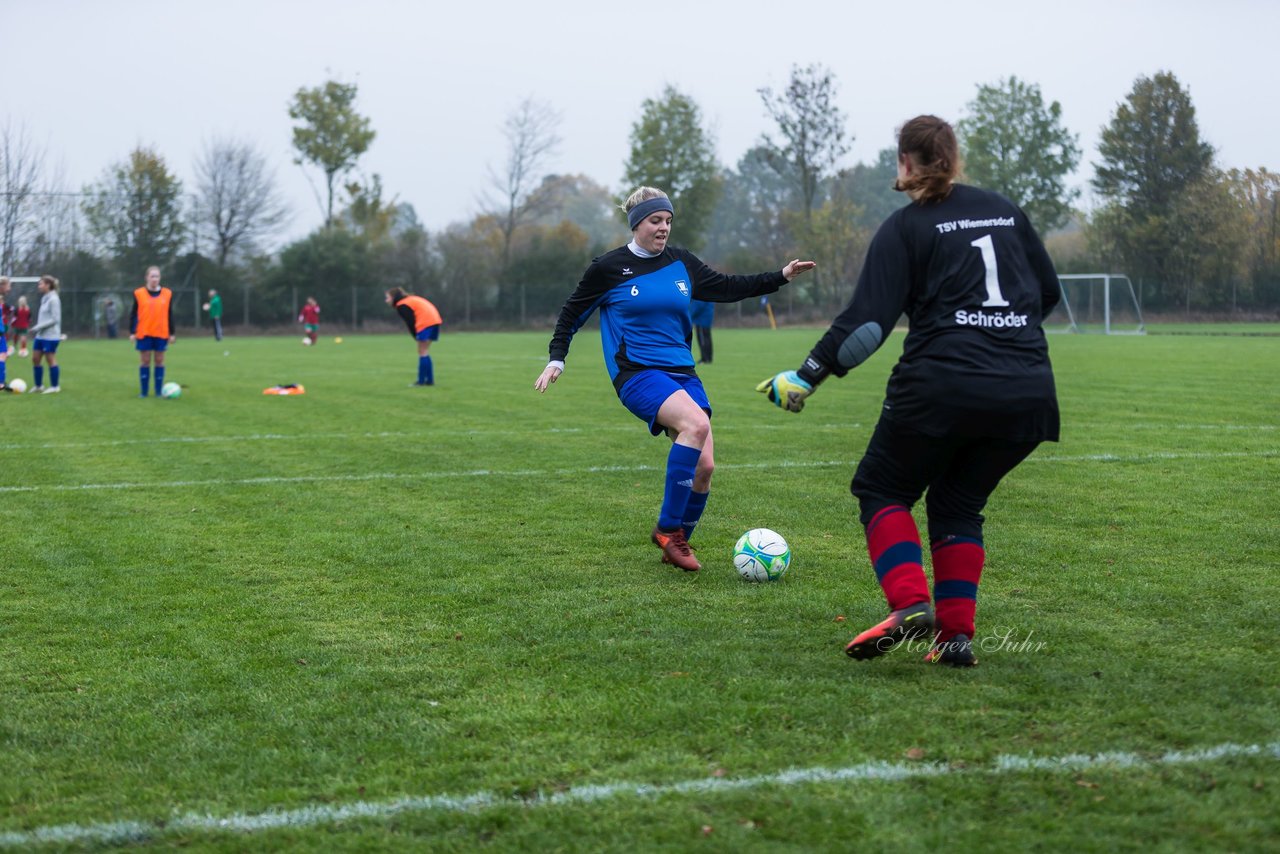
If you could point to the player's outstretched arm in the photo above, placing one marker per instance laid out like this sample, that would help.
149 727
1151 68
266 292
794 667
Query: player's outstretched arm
786 390
796 267
549 374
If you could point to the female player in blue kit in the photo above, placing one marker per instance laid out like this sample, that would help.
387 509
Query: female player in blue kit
642 291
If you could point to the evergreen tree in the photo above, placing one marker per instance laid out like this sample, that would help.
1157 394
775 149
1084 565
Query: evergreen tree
672 151
1153 163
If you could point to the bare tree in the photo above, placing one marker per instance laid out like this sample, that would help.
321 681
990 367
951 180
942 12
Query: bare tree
237 195
531 142
56 225
812 130
21 165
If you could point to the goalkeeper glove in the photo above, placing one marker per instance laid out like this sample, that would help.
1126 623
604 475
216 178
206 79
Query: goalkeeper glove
786 390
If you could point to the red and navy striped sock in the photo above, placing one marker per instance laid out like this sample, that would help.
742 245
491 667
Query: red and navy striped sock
957 570
893 541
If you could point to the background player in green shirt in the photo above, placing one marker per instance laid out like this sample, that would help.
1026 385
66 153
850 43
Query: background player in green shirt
214 307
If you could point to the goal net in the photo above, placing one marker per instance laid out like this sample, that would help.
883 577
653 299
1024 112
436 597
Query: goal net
1097 302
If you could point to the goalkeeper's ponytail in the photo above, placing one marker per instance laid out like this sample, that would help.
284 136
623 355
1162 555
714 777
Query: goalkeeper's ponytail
929 144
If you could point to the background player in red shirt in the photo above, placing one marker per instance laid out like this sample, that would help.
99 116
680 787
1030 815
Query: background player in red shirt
21 323
310 319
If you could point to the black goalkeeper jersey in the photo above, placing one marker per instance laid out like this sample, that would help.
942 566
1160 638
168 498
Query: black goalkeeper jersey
975 282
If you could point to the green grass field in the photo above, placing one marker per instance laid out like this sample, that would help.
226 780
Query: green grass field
378 616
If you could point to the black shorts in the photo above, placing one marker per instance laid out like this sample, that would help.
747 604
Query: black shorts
959 473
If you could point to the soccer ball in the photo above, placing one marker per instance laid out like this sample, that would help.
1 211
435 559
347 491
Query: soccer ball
17 385
761 555
171 391
306 341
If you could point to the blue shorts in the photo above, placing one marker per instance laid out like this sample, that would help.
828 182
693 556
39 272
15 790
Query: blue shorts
150 342
4 343
644 394
430 333
45 345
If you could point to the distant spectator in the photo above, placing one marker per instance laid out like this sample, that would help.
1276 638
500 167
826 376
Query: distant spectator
702 314
111 314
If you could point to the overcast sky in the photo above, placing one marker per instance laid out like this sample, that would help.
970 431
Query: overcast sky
91 79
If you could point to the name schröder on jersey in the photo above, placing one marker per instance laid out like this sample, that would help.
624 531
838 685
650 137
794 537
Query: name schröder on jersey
995 319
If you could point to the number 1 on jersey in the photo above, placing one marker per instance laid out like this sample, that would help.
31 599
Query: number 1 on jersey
987 247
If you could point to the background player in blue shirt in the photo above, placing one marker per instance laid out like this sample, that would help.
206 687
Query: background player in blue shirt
4 335
971 397
702 315
642 291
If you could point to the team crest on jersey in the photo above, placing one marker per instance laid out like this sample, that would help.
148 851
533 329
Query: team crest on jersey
683 286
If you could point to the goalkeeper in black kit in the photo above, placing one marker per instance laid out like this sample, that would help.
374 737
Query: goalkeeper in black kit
970 398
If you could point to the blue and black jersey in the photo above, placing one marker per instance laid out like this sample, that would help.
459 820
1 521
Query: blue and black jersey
644 307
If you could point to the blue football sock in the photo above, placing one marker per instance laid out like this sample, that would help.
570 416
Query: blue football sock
38 373
159 378
144 377
54 372
2 372
693 511
425 372
681 463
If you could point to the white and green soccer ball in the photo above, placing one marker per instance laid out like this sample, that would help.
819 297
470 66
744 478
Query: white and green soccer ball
761 555
170 391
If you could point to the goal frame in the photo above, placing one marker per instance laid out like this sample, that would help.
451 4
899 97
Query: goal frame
1122 282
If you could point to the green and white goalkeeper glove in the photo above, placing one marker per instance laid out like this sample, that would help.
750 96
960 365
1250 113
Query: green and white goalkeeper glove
786 390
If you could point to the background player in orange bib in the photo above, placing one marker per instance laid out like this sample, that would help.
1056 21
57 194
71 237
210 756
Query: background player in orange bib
151 328
423 320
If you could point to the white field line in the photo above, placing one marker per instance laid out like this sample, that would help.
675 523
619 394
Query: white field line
117 832
440 475
436 434
346 437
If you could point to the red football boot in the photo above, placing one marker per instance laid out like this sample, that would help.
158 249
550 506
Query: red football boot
675 549
907 623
